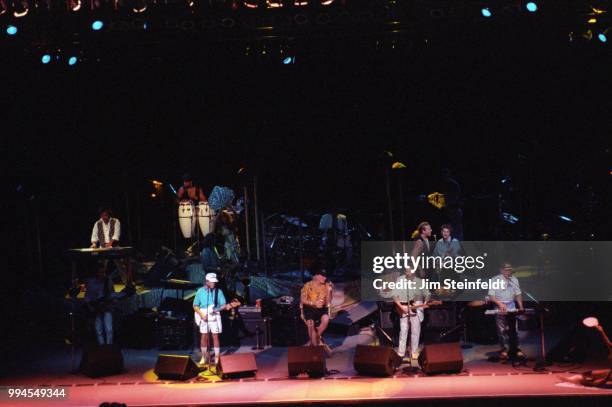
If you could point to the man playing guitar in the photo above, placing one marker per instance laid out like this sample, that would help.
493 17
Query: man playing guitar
410 304
207 304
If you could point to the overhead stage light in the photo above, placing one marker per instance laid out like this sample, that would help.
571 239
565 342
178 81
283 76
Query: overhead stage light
45 59
72 60
486 12
97 25
289 60
602 37
531 6
11 30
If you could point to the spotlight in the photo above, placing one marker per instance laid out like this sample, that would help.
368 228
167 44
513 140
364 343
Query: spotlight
486 12
602 37
289 60
565 218
11 30
72 60
590 322
97 25
45 59
20 8
531 6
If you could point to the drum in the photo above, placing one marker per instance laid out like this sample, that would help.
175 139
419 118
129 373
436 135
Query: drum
205 218
187 219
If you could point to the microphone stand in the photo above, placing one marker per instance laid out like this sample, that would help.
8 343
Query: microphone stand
541 364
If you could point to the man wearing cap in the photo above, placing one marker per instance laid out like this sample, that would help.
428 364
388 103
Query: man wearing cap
314 306
208 302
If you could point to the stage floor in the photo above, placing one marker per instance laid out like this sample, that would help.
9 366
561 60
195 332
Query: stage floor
139 386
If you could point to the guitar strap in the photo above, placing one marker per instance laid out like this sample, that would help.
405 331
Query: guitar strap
216 297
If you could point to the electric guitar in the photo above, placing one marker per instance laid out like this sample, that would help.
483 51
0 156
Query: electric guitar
212 313
412 307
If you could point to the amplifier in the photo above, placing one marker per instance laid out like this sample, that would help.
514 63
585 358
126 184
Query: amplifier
249 312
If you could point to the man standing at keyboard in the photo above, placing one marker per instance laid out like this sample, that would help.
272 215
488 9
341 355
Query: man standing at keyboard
506 300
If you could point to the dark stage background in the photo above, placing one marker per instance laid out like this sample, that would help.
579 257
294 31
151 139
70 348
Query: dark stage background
515 100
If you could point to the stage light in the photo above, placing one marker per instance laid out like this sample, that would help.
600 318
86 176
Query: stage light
72 60
139 6
531 6
11 30
75 5
486 12
20 9
602 37
97 25
510 218
590 322
565 218
45 59
288 60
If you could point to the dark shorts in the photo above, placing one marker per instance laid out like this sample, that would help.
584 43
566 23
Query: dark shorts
314 314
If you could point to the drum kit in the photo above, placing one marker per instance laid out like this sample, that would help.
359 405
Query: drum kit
291 240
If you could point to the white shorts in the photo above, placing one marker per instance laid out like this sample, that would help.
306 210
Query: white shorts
211 326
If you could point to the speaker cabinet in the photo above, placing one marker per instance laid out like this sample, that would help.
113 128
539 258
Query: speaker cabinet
175 367
103 360
238 365
441 358
376 360
306 359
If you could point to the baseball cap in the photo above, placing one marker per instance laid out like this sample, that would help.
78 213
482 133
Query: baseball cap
212 277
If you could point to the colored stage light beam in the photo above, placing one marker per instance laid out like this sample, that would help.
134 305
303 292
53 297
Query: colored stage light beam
531 6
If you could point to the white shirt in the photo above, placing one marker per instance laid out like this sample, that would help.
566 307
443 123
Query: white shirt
511 289
106 231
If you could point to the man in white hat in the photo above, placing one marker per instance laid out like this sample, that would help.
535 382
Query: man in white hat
208 302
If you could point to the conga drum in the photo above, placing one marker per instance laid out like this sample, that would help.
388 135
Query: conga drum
205 218
187 221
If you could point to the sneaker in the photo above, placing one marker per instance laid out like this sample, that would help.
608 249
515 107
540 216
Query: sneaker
415 356
503 354
202 361
520 354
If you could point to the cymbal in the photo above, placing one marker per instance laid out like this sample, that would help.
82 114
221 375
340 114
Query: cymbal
476 303
294 220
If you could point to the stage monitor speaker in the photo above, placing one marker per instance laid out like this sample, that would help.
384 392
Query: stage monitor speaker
441 358
103 360
175 367
306 359
376 360
238 365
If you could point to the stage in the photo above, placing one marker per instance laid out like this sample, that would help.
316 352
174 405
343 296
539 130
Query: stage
138 386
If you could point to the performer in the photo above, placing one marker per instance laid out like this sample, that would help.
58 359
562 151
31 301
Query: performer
422 246
208 302
506 300
190 191
315 307
98 297
106 231
447 246
410 319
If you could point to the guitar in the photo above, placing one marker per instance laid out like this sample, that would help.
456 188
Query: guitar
412 307
212 313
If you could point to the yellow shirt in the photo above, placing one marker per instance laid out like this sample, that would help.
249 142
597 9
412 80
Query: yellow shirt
313 291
